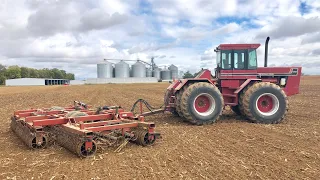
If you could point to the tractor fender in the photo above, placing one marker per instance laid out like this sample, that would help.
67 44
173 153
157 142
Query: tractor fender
185 82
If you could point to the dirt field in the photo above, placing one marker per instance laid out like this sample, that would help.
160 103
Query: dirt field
229 149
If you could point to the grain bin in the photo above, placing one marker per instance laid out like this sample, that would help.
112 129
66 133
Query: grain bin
174 71
122 70
156 73
104 70
149 72
165 74
138 70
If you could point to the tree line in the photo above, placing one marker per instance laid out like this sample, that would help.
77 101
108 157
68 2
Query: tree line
189 75
14 72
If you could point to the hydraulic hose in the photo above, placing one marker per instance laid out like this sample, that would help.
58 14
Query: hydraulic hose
149 107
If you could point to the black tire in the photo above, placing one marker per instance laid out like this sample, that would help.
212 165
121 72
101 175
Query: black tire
178 101
166 97
236 110
188 105
241 97
259 98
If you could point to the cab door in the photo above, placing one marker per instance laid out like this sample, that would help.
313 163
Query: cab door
244 64
226 65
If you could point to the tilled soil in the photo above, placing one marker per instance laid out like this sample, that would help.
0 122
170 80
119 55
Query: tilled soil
229 149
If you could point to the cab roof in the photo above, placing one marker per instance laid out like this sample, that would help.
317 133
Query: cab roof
237 46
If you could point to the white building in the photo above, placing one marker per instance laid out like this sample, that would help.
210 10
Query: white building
36 82
121 80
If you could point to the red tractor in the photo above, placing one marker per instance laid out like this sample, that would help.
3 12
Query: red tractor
257 93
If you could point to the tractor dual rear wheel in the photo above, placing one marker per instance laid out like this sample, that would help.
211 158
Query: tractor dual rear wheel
178 101
201 103
264 103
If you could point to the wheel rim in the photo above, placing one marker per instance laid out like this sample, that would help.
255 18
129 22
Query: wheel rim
149 139
38 143
204 104
87 151
267 104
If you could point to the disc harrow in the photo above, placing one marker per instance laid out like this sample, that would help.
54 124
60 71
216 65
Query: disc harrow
81 129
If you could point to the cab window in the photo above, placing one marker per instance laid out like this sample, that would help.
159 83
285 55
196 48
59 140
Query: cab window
239 59
226 60
252 59
218 58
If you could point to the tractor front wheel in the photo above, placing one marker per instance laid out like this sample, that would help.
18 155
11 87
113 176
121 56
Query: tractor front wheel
201 103
265 103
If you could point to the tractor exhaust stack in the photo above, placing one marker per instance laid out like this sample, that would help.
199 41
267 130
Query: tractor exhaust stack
266 52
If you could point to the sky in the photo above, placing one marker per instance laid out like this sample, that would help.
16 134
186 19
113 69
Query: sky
75 35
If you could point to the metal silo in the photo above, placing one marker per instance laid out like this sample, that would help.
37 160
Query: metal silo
165 74
104 70
138 70
156 73
122 70
149 72
174 71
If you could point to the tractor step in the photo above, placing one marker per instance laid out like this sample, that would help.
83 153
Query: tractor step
229 95
231 104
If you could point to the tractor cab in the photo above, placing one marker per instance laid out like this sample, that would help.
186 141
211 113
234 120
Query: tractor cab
236 58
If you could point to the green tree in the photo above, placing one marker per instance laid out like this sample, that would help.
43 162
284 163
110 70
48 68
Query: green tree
46 73
64 74
25 72
2 79
70 76
187 75
13 72
34 73
2 74
57 74
197 73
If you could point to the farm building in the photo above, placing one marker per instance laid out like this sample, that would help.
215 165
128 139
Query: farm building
36 82
121 80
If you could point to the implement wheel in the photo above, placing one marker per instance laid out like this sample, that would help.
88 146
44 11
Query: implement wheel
144 138
87 148
201 103
265 103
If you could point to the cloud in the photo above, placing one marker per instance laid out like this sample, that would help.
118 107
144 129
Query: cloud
206 57
72 17
312 38
229 28
147 47
75 34
98 19
291 26
316 52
